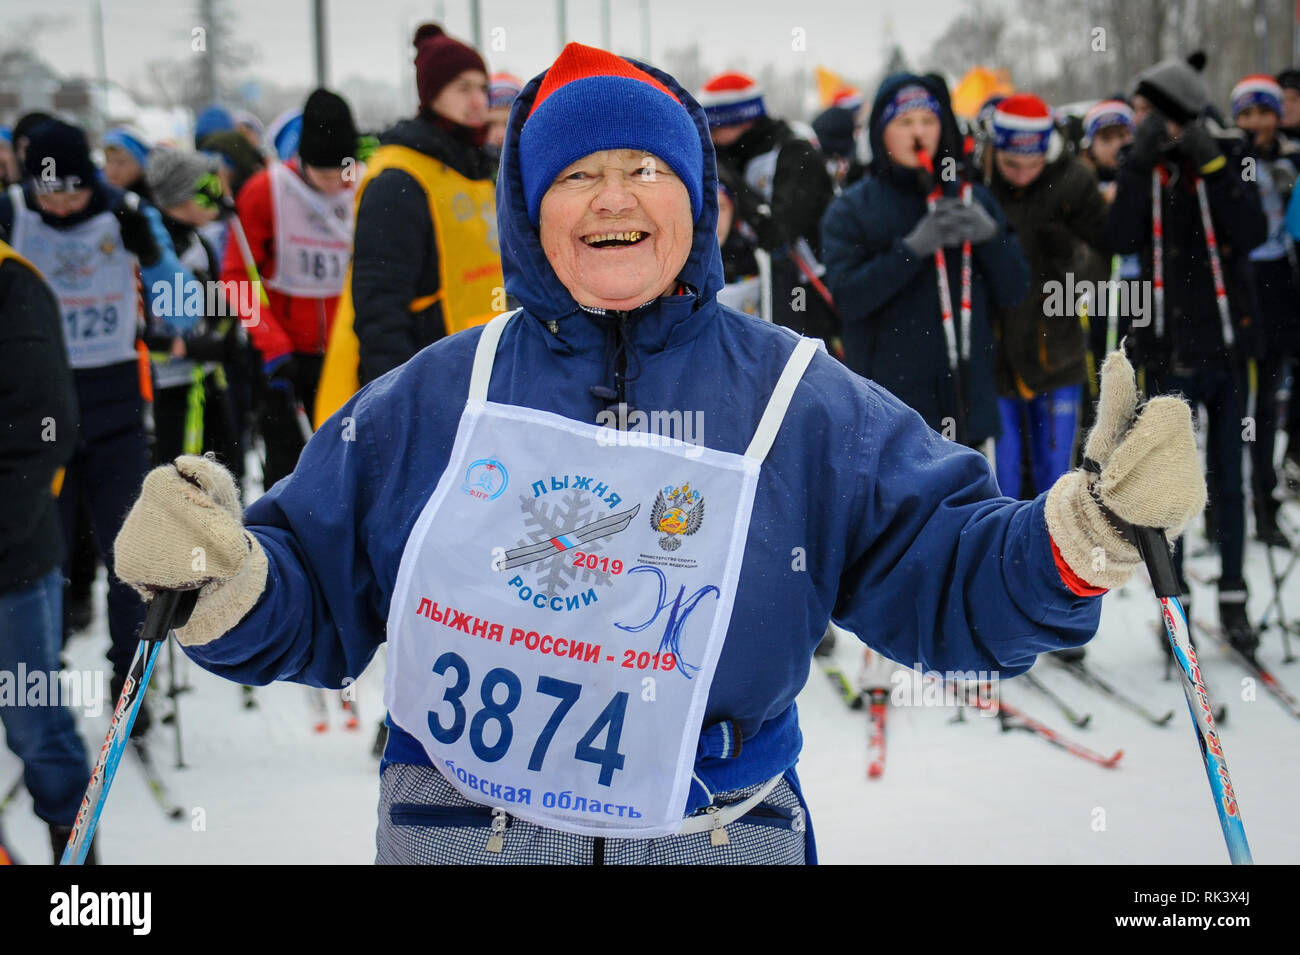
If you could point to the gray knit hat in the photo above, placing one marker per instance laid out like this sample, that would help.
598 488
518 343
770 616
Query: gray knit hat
174 175
1176 87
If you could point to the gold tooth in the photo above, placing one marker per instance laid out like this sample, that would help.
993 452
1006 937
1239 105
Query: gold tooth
621 236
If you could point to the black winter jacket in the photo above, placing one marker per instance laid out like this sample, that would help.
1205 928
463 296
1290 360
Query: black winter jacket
1191 334
888 297
800 190
38 425
395 257
1057 218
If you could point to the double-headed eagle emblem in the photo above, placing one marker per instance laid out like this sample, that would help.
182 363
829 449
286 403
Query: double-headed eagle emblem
677 512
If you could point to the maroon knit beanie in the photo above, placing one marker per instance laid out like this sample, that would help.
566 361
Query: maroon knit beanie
438 60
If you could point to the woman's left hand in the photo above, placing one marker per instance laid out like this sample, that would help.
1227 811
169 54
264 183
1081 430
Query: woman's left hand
1138 472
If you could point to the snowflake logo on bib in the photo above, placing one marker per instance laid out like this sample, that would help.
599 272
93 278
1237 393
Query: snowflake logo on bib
677 512
74 270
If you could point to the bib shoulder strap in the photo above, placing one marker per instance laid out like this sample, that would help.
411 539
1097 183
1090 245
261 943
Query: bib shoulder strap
777 405
485 354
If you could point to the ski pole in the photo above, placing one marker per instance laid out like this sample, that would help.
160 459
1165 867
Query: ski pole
175 693
955 360
168 609
250 267
246 253
1155 553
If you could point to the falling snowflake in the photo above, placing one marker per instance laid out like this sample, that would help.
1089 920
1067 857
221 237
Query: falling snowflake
543 521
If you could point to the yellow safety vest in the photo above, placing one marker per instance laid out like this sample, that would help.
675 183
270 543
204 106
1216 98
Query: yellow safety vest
471 287
7 252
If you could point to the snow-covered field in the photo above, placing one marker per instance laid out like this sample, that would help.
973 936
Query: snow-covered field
261 786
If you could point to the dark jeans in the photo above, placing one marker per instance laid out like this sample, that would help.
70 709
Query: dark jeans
1216 385
1263 479
109 466
1279 315
282 427
42 732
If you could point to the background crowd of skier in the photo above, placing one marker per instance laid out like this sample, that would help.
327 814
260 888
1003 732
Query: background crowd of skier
224 295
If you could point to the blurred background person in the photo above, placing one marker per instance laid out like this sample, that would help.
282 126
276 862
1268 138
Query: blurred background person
1180 175
297 217
1051 201
881 241
1257 109
425 262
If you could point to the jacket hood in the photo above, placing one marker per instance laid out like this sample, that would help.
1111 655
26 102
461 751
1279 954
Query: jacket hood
529 277
949 137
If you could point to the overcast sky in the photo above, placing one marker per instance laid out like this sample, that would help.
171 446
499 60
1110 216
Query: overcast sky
371 38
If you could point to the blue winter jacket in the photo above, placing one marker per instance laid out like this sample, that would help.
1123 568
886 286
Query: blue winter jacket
862 512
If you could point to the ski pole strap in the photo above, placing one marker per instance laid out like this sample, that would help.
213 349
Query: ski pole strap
1154 549
1121 526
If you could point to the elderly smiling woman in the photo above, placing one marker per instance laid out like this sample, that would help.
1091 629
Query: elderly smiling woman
595 645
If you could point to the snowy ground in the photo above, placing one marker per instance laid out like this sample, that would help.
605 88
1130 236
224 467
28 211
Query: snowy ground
261 786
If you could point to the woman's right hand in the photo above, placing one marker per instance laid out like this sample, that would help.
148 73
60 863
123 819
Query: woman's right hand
185 531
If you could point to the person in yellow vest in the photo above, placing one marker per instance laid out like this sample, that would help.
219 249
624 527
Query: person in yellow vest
425 257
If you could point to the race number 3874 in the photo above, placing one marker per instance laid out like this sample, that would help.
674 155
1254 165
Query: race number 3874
492 711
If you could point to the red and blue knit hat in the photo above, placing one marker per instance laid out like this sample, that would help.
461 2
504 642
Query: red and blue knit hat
502 89
732 98
1258 89
592 100
909 97
1022 124
1109 112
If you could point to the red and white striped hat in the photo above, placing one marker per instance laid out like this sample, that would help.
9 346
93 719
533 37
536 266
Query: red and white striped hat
1022 123
731 98
1258 89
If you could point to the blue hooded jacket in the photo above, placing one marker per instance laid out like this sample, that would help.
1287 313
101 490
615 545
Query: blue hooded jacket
888 297
862 512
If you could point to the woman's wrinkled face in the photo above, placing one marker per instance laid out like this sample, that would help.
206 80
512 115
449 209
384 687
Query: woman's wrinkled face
616 226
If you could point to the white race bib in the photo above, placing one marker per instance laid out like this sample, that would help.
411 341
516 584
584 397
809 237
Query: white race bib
560 608
313 236
93 277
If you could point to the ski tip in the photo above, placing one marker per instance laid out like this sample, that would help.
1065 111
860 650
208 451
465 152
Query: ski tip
1165 719
875 771
321 727
176 813
1087 718
1114 760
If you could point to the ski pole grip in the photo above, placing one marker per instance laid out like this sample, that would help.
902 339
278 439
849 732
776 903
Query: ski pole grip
168 610
1160 563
